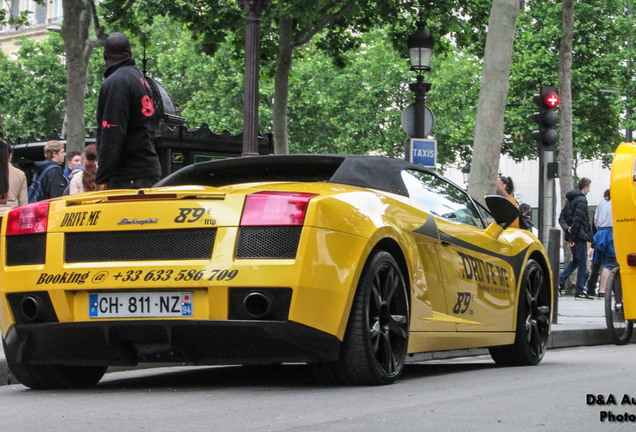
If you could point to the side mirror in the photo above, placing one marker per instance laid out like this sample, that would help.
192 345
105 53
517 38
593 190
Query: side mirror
502 210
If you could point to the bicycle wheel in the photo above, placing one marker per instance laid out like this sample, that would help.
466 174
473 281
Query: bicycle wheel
619 328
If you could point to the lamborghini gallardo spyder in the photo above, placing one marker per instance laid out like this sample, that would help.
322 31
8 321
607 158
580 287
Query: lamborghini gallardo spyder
350 264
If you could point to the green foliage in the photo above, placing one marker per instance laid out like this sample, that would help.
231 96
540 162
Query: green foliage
597 64
351 110
349 85
205 89
33 89
212 21
453 98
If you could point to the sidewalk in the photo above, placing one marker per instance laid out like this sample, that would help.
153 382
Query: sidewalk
579 322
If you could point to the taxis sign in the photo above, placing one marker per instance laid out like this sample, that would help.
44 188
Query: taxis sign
423 152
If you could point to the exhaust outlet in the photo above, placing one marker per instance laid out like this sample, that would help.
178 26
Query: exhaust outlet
257 305
31 308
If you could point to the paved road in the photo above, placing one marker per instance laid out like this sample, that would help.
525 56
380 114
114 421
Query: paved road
454 395
579 323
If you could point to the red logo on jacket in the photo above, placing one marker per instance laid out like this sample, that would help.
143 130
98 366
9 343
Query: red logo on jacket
147 106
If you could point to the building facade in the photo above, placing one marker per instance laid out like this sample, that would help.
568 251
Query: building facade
39 18
525 176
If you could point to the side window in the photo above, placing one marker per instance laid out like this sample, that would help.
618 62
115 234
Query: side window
485 214
441 198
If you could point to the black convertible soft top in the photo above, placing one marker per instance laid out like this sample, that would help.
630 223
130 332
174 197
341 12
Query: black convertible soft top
373 172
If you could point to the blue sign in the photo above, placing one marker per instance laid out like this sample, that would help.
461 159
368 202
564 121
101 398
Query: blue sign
424 152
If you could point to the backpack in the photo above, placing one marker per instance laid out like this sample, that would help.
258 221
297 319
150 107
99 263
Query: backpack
35 192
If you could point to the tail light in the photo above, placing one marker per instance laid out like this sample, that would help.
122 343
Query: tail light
631 260
272 208
29 219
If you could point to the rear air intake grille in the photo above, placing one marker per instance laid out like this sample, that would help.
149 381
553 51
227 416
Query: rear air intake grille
26 249
148 245
268 242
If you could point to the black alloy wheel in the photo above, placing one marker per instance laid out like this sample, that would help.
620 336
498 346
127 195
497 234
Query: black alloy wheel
375 343
619 328
533 321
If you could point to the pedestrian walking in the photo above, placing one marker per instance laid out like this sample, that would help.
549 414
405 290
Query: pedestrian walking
575 222
604 252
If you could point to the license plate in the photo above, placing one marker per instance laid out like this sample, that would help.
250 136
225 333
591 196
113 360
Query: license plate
140 304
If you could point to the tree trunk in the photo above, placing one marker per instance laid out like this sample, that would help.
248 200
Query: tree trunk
290 38
565 91
281 86
75 12
78 17
489 124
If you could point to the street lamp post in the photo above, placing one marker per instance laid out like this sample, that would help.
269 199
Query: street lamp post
420 46
253 10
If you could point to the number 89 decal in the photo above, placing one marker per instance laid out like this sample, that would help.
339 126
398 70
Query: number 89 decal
189 215
192 215
463 302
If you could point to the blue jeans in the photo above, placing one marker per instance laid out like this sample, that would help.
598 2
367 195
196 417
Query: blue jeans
579 261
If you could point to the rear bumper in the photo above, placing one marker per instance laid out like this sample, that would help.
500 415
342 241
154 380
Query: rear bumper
111 343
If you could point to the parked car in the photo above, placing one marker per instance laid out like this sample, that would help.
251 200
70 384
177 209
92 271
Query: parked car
348 263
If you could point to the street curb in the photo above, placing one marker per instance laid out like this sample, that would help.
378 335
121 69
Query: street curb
4 372
573 338
562 338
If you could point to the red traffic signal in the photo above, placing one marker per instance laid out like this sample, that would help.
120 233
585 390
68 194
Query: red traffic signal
551 100
547 118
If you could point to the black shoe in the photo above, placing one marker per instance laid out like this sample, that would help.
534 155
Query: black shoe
600 295
561 289
582 297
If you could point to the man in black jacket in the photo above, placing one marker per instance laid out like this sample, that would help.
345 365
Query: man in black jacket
125 139
575 222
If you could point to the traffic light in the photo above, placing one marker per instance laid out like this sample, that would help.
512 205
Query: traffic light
546 118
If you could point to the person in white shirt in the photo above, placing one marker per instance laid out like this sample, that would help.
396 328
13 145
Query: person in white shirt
604 253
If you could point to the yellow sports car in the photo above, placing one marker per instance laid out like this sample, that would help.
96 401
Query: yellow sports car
352 264
620 294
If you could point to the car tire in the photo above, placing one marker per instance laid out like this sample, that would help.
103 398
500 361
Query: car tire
375 343
41 377
533 321
620 329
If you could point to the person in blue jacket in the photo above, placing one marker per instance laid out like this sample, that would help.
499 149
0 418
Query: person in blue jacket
52 180
604 252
